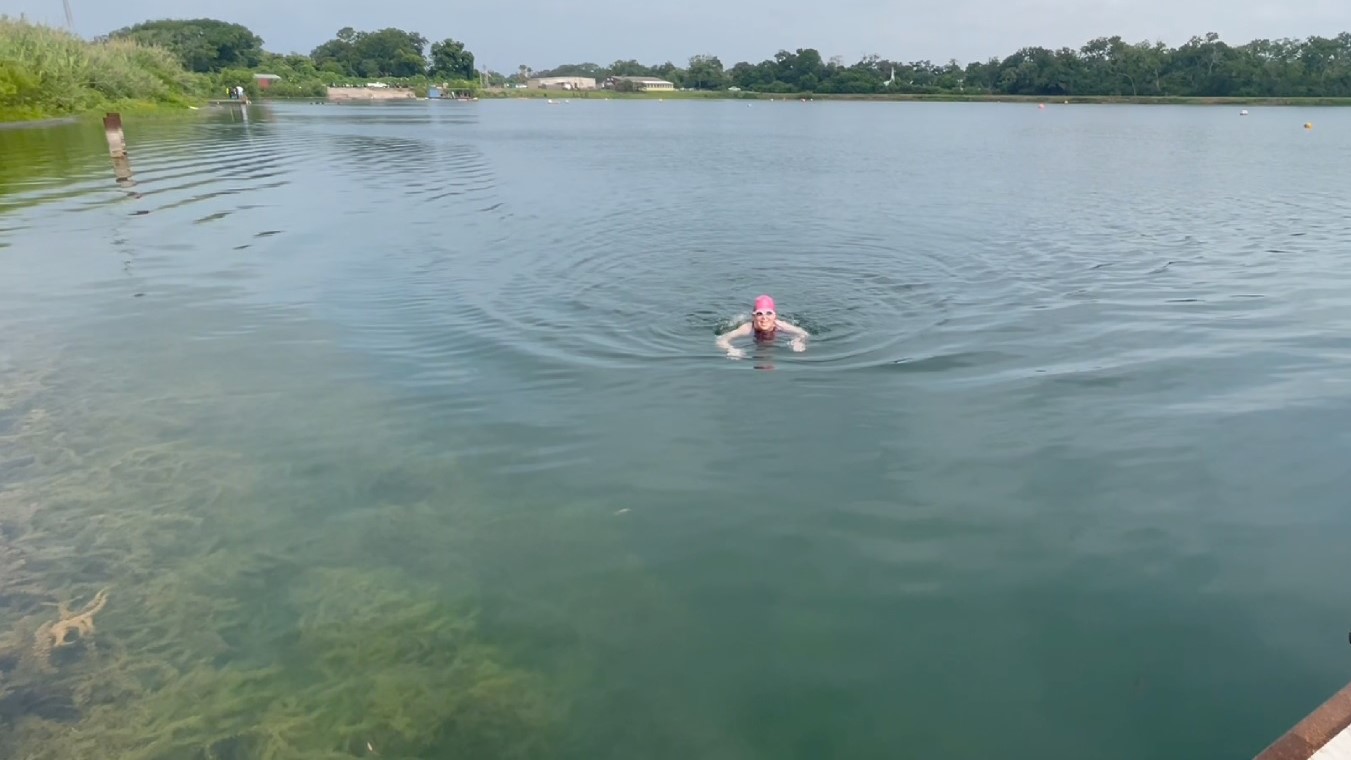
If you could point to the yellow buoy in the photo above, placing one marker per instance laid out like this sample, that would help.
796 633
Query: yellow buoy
1308 125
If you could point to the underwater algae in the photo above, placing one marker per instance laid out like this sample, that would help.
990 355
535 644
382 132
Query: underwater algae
388 672
225 628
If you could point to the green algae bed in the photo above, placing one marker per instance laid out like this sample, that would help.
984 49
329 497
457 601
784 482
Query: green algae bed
163 593
49 73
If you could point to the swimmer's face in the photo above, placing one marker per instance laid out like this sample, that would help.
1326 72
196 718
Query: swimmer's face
763 319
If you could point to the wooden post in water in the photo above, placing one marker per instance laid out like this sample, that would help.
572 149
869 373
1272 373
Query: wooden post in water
117 141
117 148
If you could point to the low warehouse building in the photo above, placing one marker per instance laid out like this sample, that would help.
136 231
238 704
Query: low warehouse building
638 84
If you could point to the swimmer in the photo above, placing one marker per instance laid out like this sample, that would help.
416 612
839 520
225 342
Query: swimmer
764 326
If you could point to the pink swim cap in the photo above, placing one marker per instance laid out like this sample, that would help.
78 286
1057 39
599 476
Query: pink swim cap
764 303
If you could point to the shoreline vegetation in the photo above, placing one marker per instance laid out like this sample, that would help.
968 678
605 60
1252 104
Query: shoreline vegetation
48 74
944 97
498 93
170 64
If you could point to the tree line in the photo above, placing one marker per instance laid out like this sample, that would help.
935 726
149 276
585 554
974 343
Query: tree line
234 53
1204 66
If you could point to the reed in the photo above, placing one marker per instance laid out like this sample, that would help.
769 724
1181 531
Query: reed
47 72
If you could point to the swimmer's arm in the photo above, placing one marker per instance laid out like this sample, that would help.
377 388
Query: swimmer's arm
724 341
791 328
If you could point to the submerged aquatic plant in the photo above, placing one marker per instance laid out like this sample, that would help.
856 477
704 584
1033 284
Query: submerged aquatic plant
383 667
230 632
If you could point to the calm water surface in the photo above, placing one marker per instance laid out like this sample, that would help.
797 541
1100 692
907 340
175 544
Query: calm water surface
1063 472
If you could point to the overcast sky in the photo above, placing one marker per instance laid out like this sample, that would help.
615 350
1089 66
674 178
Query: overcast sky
545 33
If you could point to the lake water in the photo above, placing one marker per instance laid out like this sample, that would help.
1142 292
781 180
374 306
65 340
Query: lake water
399 431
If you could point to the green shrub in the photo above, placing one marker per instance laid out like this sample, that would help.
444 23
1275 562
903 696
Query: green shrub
51 72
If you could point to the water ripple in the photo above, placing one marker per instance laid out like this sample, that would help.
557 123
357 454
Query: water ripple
1066 363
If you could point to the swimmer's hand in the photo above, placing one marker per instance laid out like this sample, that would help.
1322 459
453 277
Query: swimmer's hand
800 336
724 341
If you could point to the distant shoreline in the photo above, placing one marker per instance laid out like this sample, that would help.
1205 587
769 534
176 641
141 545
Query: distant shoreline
505 94
39 123
502 94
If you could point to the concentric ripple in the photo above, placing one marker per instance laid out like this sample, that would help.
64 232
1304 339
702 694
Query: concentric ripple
634 238
607 236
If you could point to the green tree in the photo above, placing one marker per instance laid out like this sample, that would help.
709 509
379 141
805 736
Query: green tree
1104 66
451 61
571 70
630 68
201 44
388 52
705 73
670 72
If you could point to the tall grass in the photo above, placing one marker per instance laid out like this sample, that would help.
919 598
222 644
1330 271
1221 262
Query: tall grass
46 72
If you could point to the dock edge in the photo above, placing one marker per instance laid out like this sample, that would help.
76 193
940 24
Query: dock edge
1330 722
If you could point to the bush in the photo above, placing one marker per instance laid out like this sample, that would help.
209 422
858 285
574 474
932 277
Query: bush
50 72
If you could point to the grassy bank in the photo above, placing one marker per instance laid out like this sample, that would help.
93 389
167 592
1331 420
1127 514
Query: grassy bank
47 73
938 97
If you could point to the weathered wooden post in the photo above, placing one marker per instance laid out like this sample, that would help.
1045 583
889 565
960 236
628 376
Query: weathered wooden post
117 141
117 148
